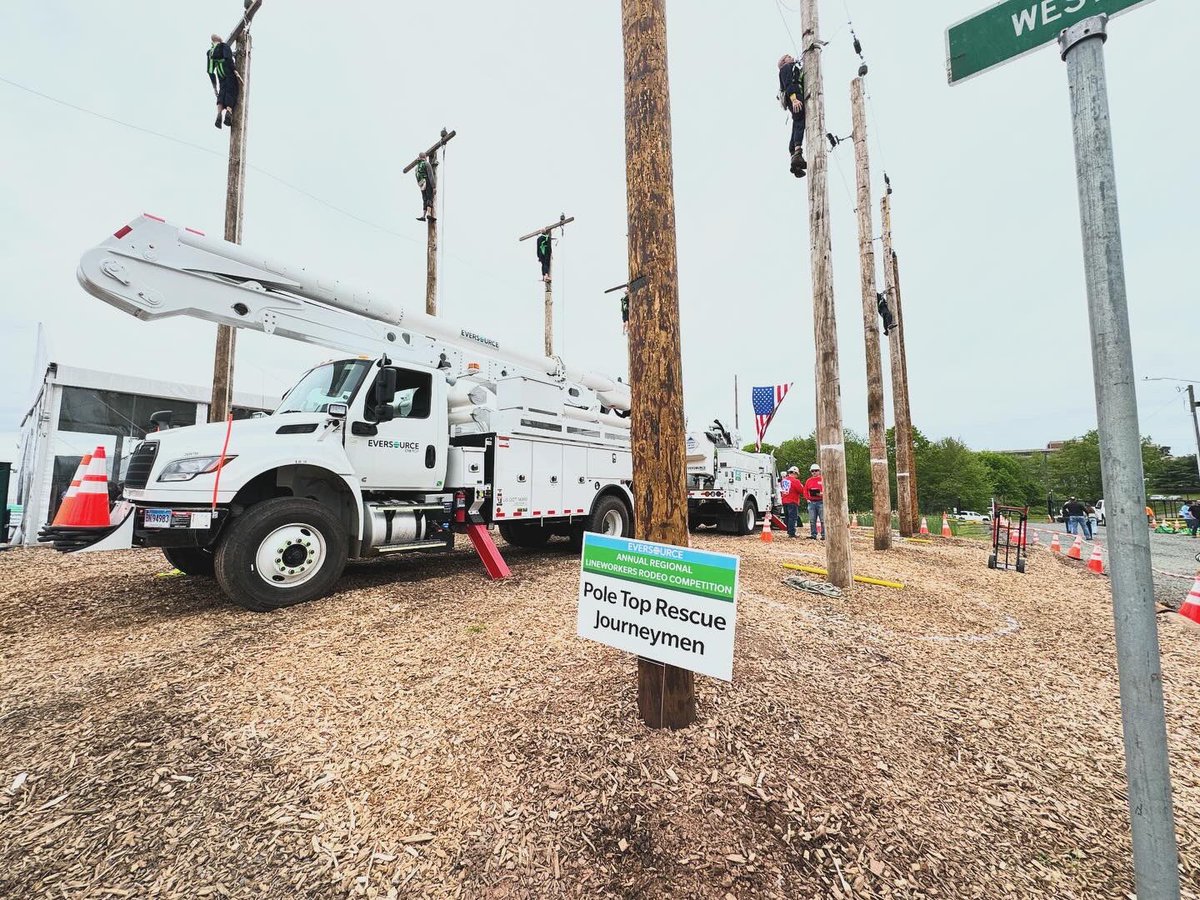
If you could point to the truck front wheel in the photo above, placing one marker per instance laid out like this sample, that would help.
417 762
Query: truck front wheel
280 552
610 516
190 560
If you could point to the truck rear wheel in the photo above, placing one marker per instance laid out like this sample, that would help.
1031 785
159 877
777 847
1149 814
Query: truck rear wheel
748 518
280 552
191 560
531 535
610 516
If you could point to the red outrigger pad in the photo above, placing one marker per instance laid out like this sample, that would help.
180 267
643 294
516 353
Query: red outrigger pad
488 552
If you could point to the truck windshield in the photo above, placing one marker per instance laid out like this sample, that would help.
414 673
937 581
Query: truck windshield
331 383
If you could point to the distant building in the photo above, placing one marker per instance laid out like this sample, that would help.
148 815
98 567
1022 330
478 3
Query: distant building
1043 452
75 411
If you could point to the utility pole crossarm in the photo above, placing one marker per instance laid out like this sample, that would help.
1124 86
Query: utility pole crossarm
562 220
442 142
244 24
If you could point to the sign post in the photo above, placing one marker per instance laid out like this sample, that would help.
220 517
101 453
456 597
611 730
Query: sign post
1005 31
673 605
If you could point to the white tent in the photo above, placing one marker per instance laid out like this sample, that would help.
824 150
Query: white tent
76 410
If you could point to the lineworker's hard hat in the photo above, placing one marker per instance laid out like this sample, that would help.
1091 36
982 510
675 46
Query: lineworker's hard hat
814 468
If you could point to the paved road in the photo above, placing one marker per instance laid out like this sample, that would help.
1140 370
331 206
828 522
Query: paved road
1172 554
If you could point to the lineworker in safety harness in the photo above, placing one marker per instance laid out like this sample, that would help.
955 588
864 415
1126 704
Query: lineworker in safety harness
544 249
625 314
791 97
224 78
885 313
427 182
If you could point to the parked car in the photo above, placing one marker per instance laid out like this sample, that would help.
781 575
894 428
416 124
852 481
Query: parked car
1100 511
967 515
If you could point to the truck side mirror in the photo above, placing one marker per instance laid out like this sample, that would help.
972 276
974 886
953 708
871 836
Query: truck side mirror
378 407
161 420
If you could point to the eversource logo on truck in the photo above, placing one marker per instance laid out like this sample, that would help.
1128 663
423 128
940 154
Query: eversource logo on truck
671 604
409 446
486 341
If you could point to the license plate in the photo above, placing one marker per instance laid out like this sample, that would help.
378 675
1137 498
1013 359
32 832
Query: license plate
157 518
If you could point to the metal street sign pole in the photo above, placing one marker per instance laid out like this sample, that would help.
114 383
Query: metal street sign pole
1147 769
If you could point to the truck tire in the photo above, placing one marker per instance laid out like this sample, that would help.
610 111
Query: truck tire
191 560
531 535
280 552
610 516
747 519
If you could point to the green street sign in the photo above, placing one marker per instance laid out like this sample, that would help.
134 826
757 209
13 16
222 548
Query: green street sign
1013 28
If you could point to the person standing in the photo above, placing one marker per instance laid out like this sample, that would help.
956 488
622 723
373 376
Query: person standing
1089 521
791 96
790 489
545 248
224 78
814 493
1194 520
1076 516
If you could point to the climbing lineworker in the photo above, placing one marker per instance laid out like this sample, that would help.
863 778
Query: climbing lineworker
625 314
885 313
224 78
544 248
791 97
814 493
427 181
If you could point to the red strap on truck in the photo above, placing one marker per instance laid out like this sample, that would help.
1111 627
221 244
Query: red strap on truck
488 552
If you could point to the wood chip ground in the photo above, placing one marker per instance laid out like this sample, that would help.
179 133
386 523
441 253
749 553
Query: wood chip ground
427 733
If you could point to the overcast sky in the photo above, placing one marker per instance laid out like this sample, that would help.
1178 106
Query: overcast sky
344 94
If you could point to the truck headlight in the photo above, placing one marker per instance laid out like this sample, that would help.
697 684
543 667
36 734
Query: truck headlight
187 469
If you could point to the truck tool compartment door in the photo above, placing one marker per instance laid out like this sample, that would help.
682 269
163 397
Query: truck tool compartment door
404 448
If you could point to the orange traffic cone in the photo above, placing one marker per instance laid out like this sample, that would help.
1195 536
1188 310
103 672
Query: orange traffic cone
64 510
1055 546
1191 603
91 503
924 526
854 521
1096 560
946 532
1076 551
767 536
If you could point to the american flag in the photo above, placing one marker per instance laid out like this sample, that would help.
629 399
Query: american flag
766 402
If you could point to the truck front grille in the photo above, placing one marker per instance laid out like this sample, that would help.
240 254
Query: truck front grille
141 461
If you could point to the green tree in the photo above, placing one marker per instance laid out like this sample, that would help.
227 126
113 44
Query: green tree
1015 480
1176 475
950 474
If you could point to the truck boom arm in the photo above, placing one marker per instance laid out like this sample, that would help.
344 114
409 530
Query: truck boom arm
152 269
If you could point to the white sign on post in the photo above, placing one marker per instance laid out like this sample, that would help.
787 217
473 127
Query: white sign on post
671 604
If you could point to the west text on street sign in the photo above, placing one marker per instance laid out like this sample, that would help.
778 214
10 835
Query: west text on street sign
1013 28
670 604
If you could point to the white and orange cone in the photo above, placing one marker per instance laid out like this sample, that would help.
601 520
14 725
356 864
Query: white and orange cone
946 532
854 521
767 537
63 516
1096 560
1055 546
91 503
924 526
1191 603
1076 551
1036 539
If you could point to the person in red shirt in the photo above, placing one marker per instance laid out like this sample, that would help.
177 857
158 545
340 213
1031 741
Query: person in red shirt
814 493
791 487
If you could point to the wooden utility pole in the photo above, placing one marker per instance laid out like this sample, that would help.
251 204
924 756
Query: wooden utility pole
239 42
666 694
905 497
548 279
830 439
431 219
881 491
913 481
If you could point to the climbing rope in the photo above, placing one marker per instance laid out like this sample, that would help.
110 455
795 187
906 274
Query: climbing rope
820 588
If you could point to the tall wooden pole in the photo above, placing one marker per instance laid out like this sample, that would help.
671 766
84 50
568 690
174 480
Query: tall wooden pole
830 439
548 328
905 504
666 695
235 177
913 481
881 492
431 225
